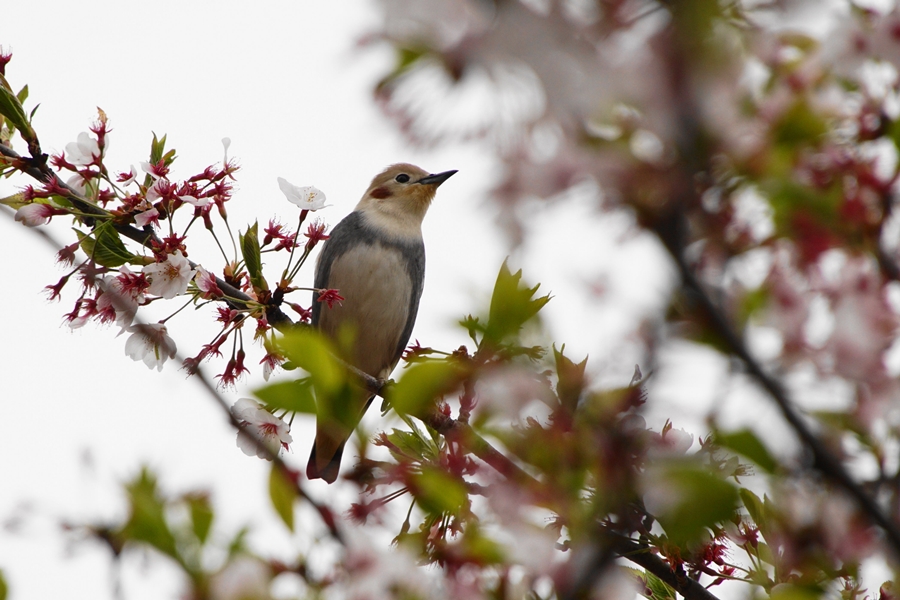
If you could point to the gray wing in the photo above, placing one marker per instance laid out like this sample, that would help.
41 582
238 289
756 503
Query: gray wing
416 268
344 236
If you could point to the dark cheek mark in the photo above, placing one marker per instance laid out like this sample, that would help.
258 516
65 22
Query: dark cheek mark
381 193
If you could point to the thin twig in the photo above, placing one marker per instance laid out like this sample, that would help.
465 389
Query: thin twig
290 474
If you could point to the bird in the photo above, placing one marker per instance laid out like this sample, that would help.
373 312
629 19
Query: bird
375 258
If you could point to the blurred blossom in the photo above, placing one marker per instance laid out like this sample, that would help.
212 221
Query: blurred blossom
676 441
864 324
242 578
374 573
123 293
273 432
528 541
505 392
151 344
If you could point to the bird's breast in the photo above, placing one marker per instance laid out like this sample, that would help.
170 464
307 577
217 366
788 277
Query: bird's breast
377 288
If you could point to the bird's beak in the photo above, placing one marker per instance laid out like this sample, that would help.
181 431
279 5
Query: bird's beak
437 179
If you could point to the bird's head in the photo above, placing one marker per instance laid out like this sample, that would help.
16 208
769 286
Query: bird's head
399 196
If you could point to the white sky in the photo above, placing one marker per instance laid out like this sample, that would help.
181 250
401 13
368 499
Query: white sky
288 85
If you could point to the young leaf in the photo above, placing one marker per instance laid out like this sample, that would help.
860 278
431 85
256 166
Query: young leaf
438 492
252 257
746 443
422 384
697 500
293 396
282 493
147 521
11 108
512 305
201 515
106 247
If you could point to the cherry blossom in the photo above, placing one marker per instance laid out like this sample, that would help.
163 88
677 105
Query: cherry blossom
151 344
206 283
170 277
35 214
269 429
84 151
242 577
147 217
306 197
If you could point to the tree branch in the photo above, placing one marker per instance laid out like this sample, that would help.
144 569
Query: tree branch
290 474
669 231
38 169
584 577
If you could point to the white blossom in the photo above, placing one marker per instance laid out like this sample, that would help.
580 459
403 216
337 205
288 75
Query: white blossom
306 197
169 278
151 344
83 151
273 432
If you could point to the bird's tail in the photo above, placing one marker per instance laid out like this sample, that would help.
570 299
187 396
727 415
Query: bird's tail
330 471
328 448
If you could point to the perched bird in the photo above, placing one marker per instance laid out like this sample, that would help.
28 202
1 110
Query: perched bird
375 258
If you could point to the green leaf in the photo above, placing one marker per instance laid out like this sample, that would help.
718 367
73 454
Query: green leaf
746 443
252 257
238 543
570 379
654 587
411 445
798 125
697 500
201 515
104 246
512 305
292 396
4 589
336 398
314 353
795 592
15 201
282 493
422 384
438 492
147 522
11 108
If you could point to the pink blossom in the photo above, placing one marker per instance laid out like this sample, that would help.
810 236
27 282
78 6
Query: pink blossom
127 177
35 214
206 283
273 432
142 219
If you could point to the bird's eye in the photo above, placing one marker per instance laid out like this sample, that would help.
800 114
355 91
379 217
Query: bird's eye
401 178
